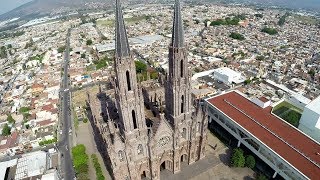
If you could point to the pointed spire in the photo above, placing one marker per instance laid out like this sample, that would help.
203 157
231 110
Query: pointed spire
122 45
177 32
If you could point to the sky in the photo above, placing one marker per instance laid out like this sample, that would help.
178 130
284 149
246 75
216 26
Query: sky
7 5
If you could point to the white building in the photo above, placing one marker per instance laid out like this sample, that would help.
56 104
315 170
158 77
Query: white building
310 119
228 76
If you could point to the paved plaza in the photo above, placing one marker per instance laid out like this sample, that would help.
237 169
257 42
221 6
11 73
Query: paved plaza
213 166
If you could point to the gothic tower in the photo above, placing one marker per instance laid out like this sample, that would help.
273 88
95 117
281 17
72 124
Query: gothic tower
133 149
129 97
178 95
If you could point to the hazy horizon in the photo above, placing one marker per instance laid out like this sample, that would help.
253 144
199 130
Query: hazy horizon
8 5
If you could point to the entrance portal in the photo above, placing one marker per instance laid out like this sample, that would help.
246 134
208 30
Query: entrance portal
183 161
143 175
163 166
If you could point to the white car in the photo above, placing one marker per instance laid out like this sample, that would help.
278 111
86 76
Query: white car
60 131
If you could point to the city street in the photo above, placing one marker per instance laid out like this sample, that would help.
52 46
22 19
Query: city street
66 167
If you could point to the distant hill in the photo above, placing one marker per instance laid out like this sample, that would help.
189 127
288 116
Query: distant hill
44 7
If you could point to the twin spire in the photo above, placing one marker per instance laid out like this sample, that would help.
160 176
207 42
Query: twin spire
177 32
122 44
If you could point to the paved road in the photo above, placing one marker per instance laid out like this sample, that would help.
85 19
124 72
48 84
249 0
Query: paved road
67 170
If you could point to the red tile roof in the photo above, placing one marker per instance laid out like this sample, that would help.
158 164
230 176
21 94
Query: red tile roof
263 99
11 141
292 136
44 122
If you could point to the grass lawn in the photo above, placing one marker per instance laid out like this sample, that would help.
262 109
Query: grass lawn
288 112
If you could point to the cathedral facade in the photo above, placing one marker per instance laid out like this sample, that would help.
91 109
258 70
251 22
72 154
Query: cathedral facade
133 143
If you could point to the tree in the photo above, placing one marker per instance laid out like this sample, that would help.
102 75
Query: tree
237 159
250 161
10 119
237 36
261 177
6 130
260 58
27 126
83 56
248 81
140 67
312 73
24 109
89 42
270 31
61 49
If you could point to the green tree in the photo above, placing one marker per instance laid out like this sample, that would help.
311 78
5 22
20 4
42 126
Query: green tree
140 67
237 159
10 119
83 56
89 42
312 73
61 49
270 31
250 161
24 109
248 81
261 177
237 36
6 130
260 58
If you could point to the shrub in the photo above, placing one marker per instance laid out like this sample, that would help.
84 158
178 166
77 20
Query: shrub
97 167
140 67
10 119
250 161
270 31
261 177
80 160
6 130
237 159
89 42
237 36
85 120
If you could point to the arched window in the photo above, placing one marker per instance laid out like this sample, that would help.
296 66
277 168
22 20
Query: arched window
182 104
140 149
134 120
120 154
128 81
181 68
184 133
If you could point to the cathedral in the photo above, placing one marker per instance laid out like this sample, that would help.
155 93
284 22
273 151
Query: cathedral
144 128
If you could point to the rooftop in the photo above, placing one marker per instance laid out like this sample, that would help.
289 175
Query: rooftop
314 105
289 143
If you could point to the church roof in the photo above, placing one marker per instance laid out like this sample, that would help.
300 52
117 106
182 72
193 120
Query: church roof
177 32
122 44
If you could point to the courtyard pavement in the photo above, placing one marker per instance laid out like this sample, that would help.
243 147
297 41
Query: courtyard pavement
212 167
85 136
